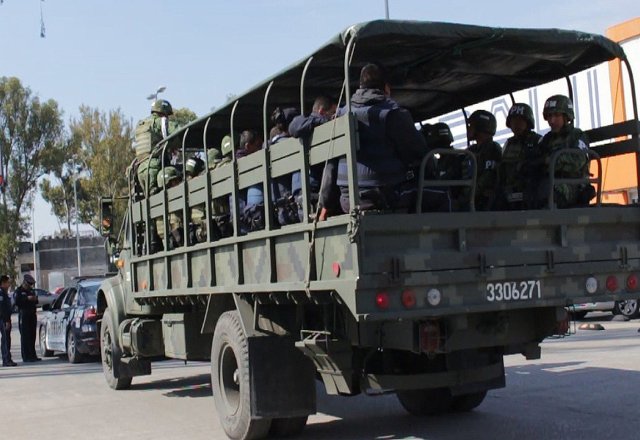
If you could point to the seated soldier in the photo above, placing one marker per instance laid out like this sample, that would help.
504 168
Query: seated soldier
558 112
168 179
198 226
439 199
481 127
520 160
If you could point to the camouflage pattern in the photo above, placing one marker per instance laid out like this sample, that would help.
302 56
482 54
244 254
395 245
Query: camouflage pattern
152 130
558 104
161 106
148 170
570 166
520 165
523 111
214 157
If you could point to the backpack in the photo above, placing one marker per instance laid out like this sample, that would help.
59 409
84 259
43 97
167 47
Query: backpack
147 135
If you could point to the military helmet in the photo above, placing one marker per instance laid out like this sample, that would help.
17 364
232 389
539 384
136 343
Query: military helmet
558 104
214 156
483 121
194 166
524 111
168 175
225 146
438 135
161 106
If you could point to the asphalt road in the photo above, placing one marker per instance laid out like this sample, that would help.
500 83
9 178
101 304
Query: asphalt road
586 386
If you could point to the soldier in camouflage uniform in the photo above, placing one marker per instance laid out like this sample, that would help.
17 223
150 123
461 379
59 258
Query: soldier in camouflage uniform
520 168
558 112
481 127
223 226
168 179
198 226
149 132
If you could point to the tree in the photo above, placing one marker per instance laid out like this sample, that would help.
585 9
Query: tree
30 134
183 116
104 153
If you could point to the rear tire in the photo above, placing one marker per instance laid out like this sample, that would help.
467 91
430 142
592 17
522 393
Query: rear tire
289 427
468 402
111 354
629 308
72 349
43 343
230 380
426 402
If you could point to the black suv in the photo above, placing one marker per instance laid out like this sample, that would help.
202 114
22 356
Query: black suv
69 324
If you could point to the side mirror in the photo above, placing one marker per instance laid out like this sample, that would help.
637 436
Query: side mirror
106 217
46 307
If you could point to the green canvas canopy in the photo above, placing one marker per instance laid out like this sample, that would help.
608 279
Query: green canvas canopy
434 67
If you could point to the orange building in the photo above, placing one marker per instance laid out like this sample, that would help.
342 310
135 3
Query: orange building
620 172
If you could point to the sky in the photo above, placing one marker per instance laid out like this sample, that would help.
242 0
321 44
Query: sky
113 54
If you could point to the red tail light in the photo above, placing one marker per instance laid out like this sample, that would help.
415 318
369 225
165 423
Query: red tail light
408 299
612 283
632 282
90 314
382 300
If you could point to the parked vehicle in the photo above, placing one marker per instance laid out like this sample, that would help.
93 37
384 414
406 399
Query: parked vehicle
69 324
628 308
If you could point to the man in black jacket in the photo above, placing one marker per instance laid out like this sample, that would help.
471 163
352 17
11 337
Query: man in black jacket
5 322
27 300
390 145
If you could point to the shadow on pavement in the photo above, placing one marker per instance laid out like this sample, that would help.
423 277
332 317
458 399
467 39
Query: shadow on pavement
191 386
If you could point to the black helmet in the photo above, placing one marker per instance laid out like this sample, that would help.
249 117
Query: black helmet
437 135
558 104
483 121
524 111
194 166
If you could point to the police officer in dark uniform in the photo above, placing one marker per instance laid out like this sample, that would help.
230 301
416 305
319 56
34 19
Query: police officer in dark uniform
27 301
390 146
5 322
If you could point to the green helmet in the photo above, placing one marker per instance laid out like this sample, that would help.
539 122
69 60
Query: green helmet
438 135
523 111
169 175
194 166
558 104
483 121
225 145
161 106
213 156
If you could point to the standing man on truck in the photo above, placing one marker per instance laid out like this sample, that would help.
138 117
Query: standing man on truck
481 128
390 146
27 301
5 322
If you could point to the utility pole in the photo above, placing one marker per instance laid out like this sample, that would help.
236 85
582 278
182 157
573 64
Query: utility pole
33 244
75 200
386 9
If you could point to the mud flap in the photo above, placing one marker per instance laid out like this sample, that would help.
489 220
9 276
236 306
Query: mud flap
282 378
131 367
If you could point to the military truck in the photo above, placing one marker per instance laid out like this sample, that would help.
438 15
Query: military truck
422 304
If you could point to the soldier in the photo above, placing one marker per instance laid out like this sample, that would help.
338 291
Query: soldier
149 132
521 160
390 146
27 301
252 203
198 226
223 226
481 127
558 112
168 179
5 322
